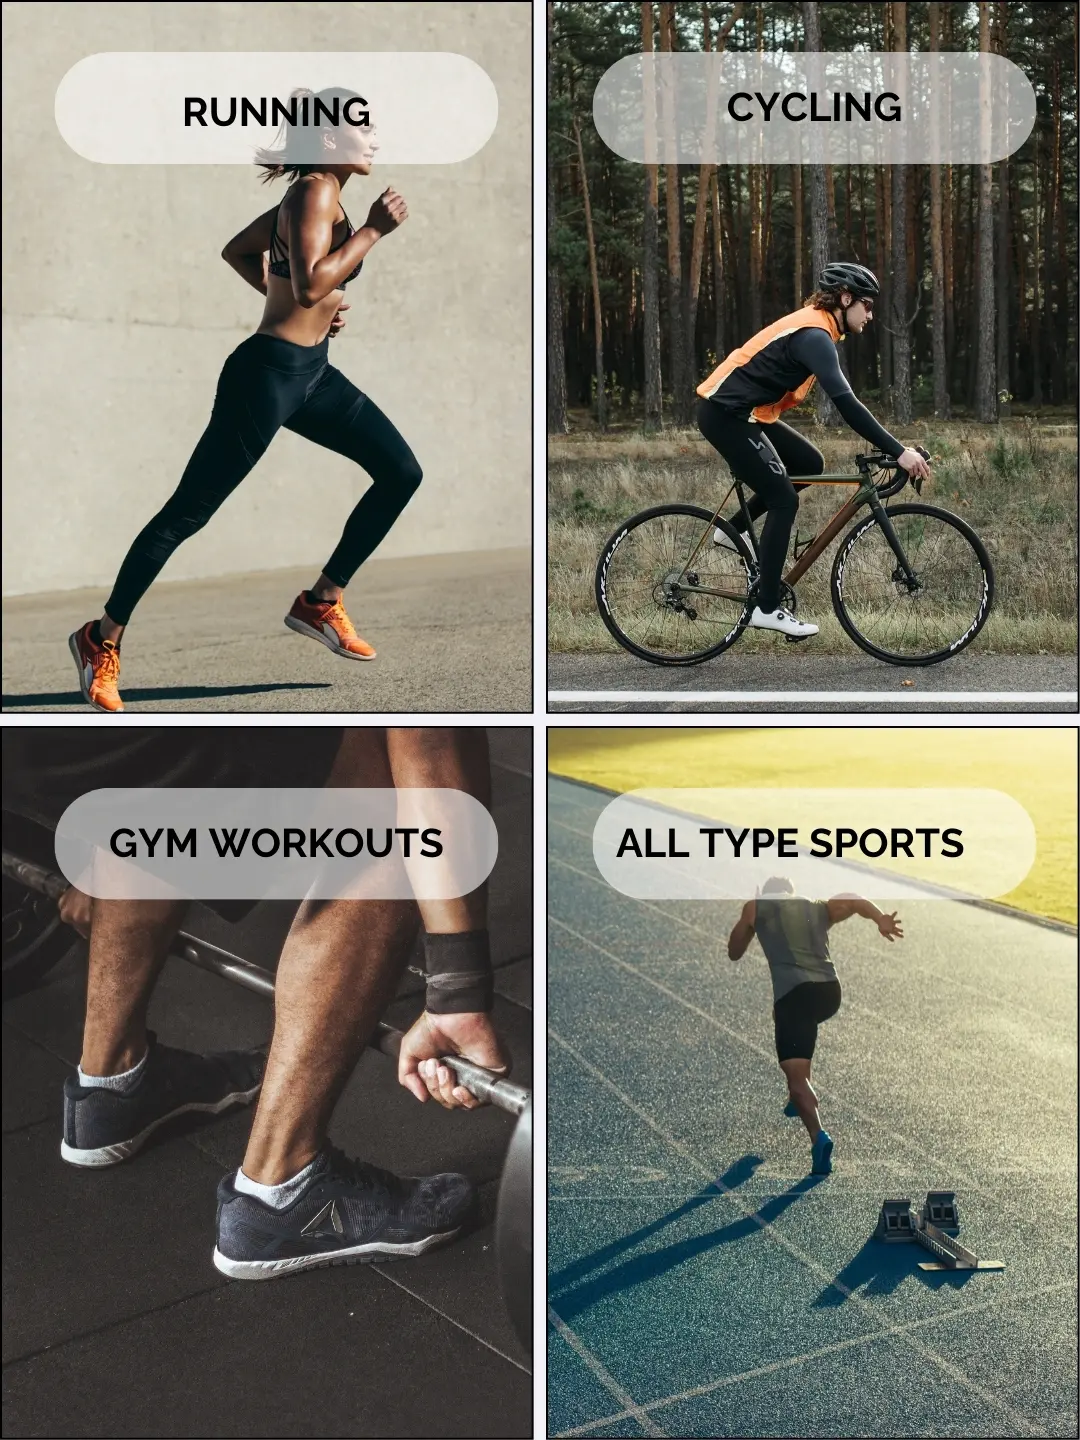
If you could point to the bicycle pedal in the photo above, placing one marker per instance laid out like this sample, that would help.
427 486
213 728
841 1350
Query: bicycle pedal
795 639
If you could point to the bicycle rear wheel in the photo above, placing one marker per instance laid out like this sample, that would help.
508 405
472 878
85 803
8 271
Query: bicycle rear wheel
921 623
667 592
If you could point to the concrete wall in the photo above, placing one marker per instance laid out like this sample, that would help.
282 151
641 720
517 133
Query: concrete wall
119 312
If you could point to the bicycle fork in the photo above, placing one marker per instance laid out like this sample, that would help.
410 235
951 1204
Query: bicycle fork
903 570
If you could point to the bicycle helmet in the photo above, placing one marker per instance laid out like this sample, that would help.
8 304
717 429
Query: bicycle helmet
842 275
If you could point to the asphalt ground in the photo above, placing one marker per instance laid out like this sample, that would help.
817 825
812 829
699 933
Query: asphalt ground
701 1282
453 633
116 1322
852 683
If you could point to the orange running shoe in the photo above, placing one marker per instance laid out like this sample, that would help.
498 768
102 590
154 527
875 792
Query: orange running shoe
99 669
327 622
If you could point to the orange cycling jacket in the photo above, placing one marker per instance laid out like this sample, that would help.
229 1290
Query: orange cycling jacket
751 377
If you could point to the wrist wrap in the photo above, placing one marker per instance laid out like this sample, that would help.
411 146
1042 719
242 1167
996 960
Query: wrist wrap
459 975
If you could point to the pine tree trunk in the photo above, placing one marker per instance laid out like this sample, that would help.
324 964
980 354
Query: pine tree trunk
825 411
701 209
704 191
1004 379
986 358
650 277
1036 266
557 423
881 267
948 202
937 257
594 277
754 177
797 212
677 367
898 315
719 269
1056 282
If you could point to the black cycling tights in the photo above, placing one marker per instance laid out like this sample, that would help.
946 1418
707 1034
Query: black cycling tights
761 456
267 383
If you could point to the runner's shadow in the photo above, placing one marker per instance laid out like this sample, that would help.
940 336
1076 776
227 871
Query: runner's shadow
572 1301
166 692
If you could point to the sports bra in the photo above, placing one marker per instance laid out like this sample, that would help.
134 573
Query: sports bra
279 263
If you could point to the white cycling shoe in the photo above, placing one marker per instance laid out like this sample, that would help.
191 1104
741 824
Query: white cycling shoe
722 538
782 620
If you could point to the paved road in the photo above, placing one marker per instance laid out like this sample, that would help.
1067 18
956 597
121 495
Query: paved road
732 680
453 633
700 1281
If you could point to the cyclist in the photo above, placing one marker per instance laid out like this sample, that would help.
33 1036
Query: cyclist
744 397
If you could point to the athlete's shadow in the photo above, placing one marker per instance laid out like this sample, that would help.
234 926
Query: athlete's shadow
574 1298
166 692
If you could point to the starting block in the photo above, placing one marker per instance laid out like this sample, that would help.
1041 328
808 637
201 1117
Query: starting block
940 1210
896 1221
934 1227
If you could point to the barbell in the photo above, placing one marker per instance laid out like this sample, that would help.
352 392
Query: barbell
30 959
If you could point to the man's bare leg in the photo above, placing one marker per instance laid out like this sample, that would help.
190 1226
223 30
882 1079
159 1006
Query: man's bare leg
803 1094
338 971
125 1088
129 940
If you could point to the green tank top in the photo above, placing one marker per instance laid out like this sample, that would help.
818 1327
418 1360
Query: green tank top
794 933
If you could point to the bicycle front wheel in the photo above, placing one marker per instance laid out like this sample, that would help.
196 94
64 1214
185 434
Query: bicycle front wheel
667 592
929 617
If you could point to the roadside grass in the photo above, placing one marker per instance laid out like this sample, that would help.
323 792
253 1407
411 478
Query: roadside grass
1015 484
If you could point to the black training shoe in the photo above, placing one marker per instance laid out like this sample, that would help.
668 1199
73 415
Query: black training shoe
348 1213
103 1127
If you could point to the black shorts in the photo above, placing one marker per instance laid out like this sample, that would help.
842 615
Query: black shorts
46 769
797 1015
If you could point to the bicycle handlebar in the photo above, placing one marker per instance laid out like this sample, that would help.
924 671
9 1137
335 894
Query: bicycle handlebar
879 461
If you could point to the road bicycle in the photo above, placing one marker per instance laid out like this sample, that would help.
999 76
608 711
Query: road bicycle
911 584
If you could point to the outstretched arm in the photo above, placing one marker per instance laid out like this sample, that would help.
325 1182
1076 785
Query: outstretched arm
842 907
818 353
742 932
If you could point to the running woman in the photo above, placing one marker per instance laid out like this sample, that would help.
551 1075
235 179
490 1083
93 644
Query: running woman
794 933
300 255
741 404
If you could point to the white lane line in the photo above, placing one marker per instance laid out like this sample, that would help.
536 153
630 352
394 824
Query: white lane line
607 1380
817 697
727 1380
902 1141
1024 1425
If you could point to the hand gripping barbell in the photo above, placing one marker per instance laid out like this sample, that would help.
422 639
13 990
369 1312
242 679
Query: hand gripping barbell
513 1223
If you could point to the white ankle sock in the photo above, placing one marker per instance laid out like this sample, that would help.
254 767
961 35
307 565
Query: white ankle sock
124 1082
276 1196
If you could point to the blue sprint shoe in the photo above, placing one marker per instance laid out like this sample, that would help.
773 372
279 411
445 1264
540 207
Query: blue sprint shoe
790 1110
103 1127
821 1154
348 1213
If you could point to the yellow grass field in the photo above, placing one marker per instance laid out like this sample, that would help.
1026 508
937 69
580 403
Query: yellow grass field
1037 767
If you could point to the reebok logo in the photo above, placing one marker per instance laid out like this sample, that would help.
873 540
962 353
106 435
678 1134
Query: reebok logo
327 1222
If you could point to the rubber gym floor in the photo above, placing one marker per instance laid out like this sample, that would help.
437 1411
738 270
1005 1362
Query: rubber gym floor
116 1322
701 1282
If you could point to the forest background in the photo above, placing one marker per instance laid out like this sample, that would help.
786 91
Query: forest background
656 272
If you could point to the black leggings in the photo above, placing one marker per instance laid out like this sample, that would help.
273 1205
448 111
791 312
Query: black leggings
797 1015
761 456
267 383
